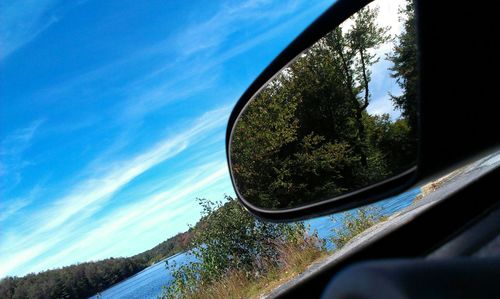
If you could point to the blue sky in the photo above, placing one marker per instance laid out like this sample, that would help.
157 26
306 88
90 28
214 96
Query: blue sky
113 115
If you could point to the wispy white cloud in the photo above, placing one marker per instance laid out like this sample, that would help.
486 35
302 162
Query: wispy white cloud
201 49
58 220
22 22
167 92
133 221
12 207
99 188
12 160
189 61
22 256
212 33
20 139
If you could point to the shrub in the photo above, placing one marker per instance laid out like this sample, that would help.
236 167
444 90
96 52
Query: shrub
353 223
229 239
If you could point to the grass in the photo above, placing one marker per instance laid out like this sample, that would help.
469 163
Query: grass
294 259
354 223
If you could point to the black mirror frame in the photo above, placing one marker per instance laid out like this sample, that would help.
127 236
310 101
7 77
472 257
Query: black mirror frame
329 20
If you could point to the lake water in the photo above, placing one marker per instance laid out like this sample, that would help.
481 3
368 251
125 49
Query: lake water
149 282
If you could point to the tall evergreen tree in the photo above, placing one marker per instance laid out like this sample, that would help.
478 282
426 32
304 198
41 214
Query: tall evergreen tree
405 69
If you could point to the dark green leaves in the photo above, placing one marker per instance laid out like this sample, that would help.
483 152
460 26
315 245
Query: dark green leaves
307 135
229 238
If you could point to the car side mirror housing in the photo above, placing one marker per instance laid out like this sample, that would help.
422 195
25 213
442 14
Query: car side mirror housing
332 123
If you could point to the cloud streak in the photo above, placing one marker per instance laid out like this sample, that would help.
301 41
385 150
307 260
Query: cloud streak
12 207
59 219
133 221
212 33
23 23
12 148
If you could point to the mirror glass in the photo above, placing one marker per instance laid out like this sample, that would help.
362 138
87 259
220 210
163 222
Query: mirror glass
340 117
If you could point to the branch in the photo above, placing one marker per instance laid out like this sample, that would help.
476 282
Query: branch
347 73
365 79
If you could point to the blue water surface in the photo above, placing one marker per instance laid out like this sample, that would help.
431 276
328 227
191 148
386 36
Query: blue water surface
149 282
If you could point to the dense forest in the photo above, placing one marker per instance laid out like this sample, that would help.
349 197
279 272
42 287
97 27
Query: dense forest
87 279
308 136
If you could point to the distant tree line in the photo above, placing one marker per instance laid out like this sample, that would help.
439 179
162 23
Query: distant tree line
86 279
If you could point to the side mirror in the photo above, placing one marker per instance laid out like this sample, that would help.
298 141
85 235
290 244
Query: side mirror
332 123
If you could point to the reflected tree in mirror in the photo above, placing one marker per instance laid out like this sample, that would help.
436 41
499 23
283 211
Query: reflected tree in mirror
310 135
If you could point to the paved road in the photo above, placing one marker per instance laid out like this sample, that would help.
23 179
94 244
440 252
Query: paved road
463 177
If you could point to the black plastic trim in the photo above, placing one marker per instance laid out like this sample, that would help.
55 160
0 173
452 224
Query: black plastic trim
448 217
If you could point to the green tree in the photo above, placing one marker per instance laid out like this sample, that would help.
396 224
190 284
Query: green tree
353 51
405 68
263 131
229 238
304 135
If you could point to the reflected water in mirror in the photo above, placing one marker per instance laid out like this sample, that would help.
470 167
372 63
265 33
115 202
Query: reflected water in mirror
340 117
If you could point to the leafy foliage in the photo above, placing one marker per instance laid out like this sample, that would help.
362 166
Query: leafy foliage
352 224
405 68
231 239
306 136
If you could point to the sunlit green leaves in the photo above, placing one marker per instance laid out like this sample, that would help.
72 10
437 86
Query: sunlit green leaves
307 135
229 238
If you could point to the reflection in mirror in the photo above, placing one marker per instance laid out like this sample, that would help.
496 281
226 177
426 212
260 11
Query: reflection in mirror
340 117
